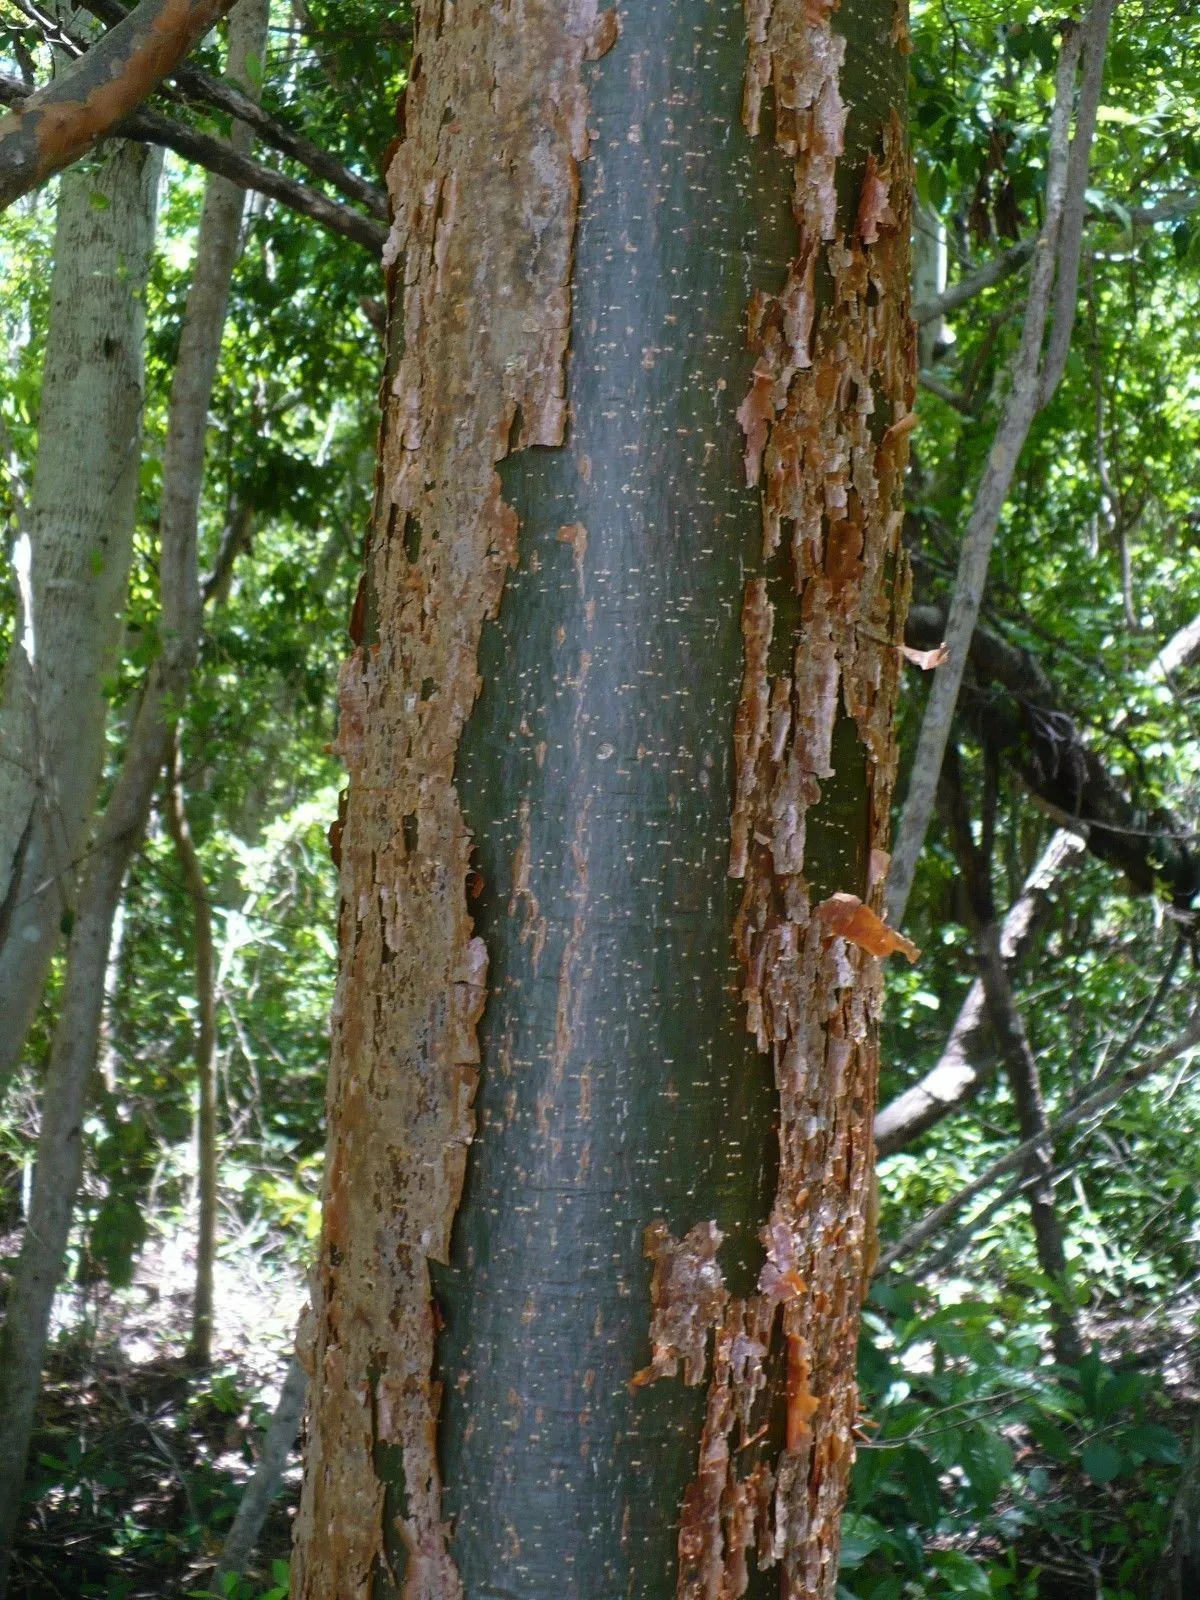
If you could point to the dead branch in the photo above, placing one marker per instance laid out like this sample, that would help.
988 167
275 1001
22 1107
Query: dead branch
1104 1090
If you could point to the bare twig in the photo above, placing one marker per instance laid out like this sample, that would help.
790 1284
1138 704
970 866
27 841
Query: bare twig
1103 1090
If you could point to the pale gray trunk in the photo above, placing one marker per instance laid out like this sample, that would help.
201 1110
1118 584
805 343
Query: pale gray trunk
930 262
81 517
76 1038
264 1485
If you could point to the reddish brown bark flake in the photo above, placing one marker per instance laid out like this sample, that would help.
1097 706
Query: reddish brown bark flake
826 423
846 916
495 109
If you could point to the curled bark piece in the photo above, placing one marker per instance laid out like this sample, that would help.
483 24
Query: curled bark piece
845 915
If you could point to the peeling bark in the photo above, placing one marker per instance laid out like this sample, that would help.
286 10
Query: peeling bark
826 420
567 691
495 112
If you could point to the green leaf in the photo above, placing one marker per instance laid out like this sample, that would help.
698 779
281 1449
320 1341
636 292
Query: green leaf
1102 1462
1116 1393
860 1535
962 1575
1051 1438
921 1484
1153 1443
988 1462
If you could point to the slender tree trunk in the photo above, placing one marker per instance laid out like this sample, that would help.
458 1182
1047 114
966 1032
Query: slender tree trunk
1008 1027
1021 1066
76 1037
968 1059
1178 1574
205 1050
1034 381
594 684
260 1492
53 707
112 982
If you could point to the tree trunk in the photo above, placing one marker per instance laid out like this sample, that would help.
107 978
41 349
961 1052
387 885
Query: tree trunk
205 1052
53 709
1178 1574
1054 280
585 665
76 1035
264 1485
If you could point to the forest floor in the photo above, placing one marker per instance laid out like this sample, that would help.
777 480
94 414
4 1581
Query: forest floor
140 1458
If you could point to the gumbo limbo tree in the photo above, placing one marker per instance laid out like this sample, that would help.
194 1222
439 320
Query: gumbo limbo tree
619 733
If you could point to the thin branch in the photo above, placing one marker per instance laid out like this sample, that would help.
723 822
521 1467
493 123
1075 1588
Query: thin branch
1095 46
199 87
151 127
1109 1086
62 121
967 1060
963 1234
154 128
1170 209
1021 408
991 273
946 394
